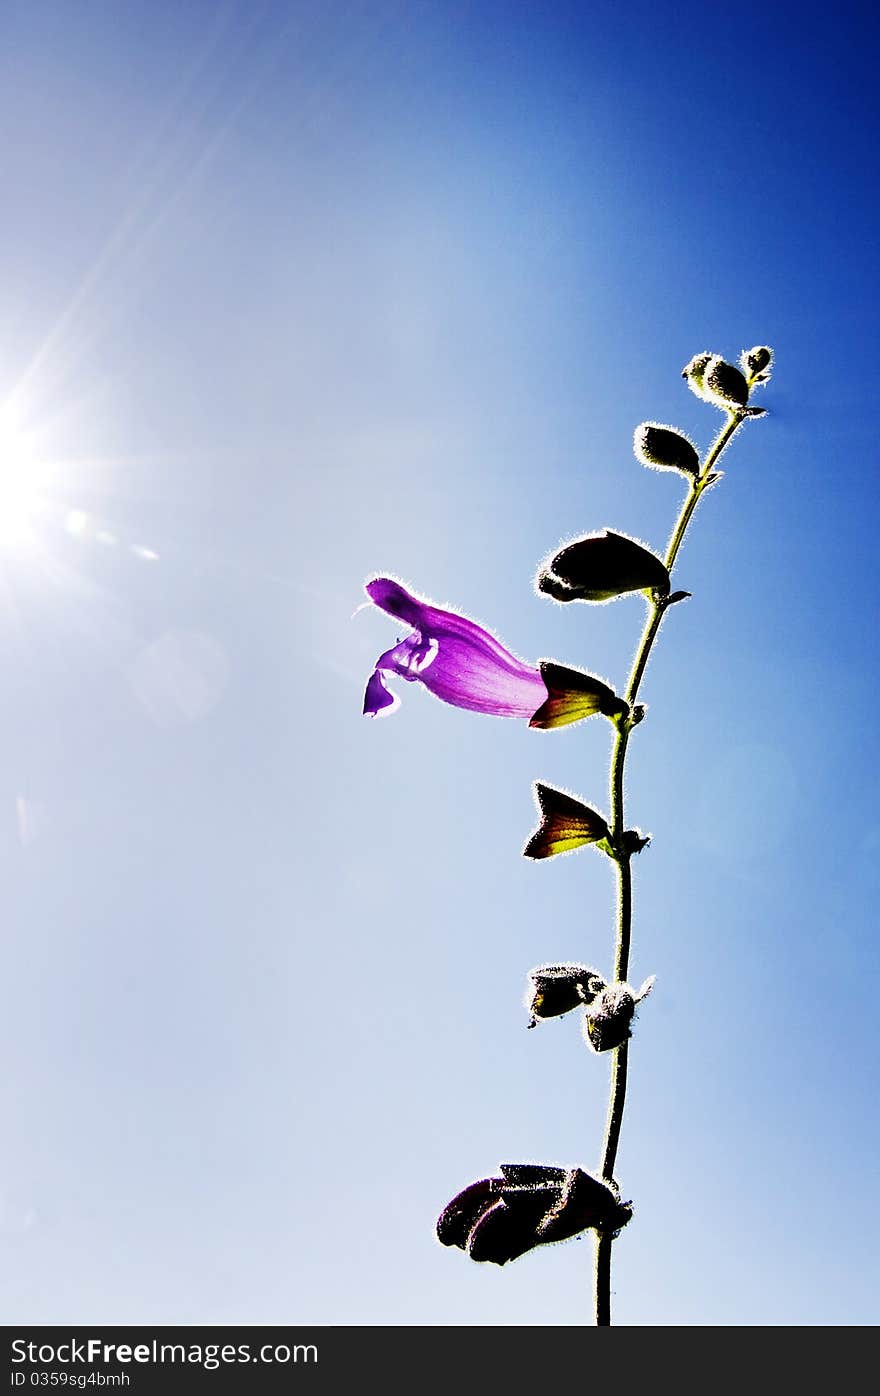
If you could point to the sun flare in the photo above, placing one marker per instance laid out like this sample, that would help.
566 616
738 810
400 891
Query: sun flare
19 497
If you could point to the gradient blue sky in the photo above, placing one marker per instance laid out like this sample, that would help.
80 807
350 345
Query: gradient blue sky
293 293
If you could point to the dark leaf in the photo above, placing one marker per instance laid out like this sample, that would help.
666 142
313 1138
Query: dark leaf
664 448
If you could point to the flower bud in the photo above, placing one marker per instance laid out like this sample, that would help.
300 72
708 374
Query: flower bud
634 841
573 695
724 385
756 363
556 989
607 1021
602 567
664 448
693 372
565 825
530 1205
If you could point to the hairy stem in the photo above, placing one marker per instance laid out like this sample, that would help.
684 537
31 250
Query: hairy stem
623 859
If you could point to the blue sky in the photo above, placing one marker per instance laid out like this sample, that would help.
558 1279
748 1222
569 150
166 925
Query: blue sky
296 293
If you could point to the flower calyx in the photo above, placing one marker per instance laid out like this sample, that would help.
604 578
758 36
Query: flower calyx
573 695
565 824
608 1019
553 990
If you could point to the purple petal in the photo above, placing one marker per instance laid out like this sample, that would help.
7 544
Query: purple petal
513 1224
390 596
502 1233
456 659
377 699
459 1216
466 673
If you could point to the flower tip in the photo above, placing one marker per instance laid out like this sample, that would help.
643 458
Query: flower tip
381 590
459 1216
369 587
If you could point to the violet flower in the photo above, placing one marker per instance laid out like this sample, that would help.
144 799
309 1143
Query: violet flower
531 1204
456 660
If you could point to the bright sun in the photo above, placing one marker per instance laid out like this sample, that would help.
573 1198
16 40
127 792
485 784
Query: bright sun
19 501
33 505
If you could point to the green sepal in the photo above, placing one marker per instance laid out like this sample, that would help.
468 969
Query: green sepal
565 824
664 448
602 567
572 695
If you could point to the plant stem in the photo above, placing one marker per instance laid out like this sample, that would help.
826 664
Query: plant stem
623 859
